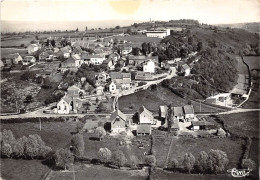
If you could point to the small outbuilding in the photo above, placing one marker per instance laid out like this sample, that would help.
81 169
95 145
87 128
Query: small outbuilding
143 129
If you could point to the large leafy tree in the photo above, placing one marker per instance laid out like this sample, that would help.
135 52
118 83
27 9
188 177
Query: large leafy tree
118 158
62 158
188 162
104 154
217 161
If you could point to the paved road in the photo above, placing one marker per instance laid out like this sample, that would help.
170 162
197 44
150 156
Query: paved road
239 110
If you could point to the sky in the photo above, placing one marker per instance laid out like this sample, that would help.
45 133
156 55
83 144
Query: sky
205 11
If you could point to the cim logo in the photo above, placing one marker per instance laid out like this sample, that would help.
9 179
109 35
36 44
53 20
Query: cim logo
239 172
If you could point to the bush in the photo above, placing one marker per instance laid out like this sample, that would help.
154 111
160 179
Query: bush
174 164
150 160
248 164
6 150
101 132
118 158
104 154
133 161
202 162
62 158
188 162
78 144
217 161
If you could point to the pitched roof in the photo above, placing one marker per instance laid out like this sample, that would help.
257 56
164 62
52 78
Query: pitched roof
65 50
143 128
131 57
84 55
13 56
28 58
188 109
94 56
116 114
67 99
185 66
143 109
178 111
76 57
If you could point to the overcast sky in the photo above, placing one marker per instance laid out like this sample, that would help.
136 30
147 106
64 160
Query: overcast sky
206 11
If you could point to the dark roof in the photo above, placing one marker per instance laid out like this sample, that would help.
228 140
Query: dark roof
143 128
202 123
178 111
13 56
116 114
131 57
119 75
143 109
188 109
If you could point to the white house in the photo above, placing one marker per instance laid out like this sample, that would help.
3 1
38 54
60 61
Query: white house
78 60
149 67
64 105
28 59
186 69
94 59
145 116
99 90
112 87
158 33
189 112
16 58
33 48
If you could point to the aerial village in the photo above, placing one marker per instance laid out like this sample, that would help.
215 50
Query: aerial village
124 74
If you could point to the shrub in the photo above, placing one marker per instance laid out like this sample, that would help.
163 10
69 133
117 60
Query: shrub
150 160
217 161
101 132
173 164
6 150
78 144
133 161
248 164
62 158
118 158
188 162
18 150
104 154
202 162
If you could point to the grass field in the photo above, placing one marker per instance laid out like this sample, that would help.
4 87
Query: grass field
16 42
54 134
12 169
252 61
184 145
159 174
90 172
243 124
153 99
6 51
92 146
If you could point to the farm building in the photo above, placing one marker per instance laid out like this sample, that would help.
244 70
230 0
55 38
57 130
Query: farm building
118 121
143 129
145 116
202 125
189 112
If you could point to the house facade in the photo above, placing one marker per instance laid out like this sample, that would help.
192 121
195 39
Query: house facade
185 69
149 67
94 59
64 106
145 116
122 80
32 48
189 112
16 58
118 122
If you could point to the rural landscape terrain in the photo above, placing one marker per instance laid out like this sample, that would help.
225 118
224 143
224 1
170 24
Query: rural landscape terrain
175 99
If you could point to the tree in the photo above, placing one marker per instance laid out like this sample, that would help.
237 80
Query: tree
86 28
6 150
104 154
19 147
28 98
77 30
174 164
7 136
144 48
62 158
78 144
44 151
128 31
53 43
136 51
117 27
199 46
202 162
119 159
135 25
133 161
217 160
150 160
188 162
248 164
101 132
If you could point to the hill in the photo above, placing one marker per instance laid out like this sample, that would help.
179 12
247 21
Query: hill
218 49
253 27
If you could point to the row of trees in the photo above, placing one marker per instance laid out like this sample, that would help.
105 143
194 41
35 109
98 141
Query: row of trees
31 147
213 162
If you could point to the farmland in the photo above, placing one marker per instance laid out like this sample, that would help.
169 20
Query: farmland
243 124
6 51
89 172
184 145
